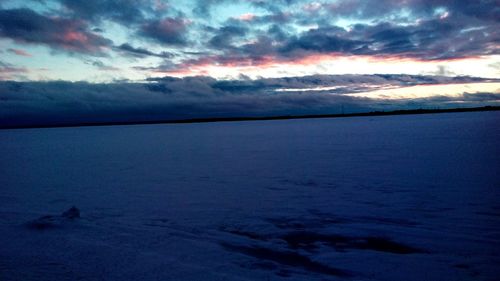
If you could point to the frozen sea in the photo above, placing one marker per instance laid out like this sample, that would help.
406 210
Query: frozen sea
414 197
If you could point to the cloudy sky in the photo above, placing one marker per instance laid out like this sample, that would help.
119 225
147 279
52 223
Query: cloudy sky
243 57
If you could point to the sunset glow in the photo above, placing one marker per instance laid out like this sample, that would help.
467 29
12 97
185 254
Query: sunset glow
425 91
178 59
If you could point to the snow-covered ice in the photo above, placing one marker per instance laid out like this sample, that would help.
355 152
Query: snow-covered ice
413 197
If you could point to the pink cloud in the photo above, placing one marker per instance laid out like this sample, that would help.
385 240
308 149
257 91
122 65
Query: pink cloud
246 17
9 71
54 31
19 52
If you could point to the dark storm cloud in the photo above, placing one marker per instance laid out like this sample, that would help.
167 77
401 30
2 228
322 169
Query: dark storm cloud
145 18
169 31
141 52
432 39
27 26
423 30
125 11
379 9
49 103
367 9
427 30
168 98
482 9
224 36
321 40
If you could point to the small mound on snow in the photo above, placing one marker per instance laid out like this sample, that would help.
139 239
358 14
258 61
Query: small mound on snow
54 221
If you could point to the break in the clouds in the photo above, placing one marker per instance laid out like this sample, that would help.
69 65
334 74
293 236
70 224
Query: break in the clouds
236 46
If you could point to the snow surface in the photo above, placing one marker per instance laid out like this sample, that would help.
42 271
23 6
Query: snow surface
369 198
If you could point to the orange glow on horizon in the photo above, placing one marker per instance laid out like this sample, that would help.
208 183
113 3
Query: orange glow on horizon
430 90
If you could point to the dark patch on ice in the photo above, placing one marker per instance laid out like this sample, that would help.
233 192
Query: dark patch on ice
38 269
390 221
461 266
162 220
44 222
308 182
490 214
310 240
266 265
373 203
56 201
287 223
430 212
247 234
128 168
383 244
276 188
307 233
327 218
71 213
51 221
284 273
469 269
305 222
5 199
158 223
287 258
444 209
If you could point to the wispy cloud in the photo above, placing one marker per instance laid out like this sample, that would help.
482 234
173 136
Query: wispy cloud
9 71
19 52
128 50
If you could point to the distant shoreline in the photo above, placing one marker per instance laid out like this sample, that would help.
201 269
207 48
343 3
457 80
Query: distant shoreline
264 118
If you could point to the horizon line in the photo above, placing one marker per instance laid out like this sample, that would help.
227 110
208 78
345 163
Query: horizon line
260 118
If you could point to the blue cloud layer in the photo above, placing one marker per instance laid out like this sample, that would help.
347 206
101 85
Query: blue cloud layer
285 29
168 98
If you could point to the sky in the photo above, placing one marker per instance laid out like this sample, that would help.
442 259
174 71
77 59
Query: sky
194 57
